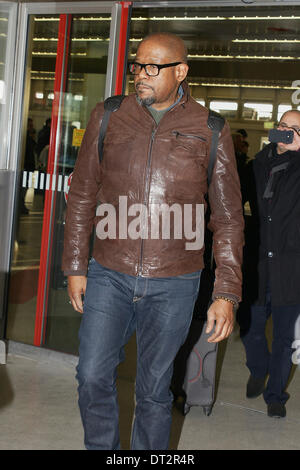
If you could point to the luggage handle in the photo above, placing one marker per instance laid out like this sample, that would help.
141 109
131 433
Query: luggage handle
214 347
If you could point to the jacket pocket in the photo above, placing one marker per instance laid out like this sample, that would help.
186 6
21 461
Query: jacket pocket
117 154
187 154
188 136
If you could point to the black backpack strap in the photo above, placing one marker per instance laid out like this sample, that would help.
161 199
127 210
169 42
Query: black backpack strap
216 123
111 105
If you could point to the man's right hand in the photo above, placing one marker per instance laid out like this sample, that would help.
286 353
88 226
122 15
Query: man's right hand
76 288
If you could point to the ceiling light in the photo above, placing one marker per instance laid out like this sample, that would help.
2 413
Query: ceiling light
281 41
257 18
73 39
42 71
45 39
188 18
90 39
177 18
38 53
241 85
46 19
215 18
91 18
246 57
44 53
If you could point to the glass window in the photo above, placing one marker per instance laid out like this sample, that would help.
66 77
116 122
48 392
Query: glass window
201 102
85 85
39 85
227 109
282 108
257 111
7 31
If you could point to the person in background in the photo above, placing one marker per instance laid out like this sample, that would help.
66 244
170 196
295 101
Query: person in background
241 150
275 205
30 150
43 137
243 133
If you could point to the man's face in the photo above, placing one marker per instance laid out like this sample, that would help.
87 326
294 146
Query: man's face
290 121
161 90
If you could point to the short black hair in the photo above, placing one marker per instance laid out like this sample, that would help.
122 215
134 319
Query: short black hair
242 132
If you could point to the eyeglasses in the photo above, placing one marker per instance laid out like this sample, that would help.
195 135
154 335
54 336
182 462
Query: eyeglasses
283 125
152 70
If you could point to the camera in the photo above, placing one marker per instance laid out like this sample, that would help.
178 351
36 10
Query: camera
285 137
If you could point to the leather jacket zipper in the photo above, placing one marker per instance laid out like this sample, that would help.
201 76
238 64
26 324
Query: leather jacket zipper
188 136
146 193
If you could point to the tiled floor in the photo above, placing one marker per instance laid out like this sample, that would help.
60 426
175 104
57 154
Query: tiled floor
237 422
38 406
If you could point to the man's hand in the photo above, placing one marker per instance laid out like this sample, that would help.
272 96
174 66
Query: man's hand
221 312
76 288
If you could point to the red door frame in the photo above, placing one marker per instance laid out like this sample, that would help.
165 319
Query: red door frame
123 47
61 69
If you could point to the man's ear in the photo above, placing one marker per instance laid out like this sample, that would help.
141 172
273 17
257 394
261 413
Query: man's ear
181 72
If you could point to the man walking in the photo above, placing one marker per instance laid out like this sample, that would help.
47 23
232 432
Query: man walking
276 171
155 155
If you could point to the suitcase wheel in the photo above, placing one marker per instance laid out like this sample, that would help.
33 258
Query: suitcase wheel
207 410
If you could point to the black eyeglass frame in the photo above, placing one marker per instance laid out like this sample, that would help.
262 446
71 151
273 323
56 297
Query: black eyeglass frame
279 124
159 67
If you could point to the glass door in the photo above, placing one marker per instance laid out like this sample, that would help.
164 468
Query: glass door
8 21
38 99
84 86
71 64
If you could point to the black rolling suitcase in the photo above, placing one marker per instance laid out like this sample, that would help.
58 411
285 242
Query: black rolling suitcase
193 382
199 381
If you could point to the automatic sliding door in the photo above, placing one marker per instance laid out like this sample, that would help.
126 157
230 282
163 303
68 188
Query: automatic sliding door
38 99
68 57
8 21
84 87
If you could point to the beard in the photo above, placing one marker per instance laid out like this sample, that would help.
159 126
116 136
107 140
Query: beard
149 100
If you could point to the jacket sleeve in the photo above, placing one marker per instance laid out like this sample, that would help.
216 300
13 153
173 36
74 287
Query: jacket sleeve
226 220
82 199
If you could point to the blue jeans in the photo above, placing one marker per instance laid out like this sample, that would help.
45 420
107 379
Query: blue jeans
115 305
278 363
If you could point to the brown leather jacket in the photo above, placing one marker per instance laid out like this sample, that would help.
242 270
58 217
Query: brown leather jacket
153 164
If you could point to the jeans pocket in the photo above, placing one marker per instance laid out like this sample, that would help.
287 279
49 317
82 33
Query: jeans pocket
98 272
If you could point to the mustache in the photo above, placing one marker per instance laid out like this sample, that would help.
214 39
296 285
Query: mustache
138 84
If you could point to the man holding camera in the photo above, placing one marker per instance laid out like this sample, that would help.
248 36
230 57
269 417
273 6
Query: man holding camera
276 171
